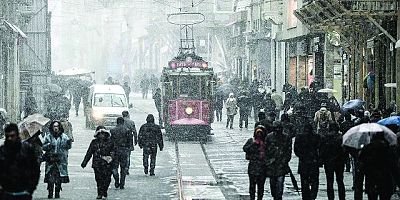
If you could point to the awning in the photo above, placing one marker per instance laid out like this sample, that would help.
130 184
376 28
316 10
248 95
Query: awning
398 44
14 29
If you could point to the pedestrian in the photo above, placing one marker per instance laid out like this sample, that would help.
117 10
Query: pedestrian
277 98
77 97
264 121
30 106
378 162
127 90
3 121
278 153
346 125
19 167
333 157
231 110
122 138
322 119
255 153
102 150
376 115
269 105
144 85
219 104
56 146
150 136
257 99
132 128
158 102
244 104
306 147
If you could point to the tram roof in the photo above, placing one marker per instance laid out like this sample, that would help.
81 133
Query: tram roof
187 71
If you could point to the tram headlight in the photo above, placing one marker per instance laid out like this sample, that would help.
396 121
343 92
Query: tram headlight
189 110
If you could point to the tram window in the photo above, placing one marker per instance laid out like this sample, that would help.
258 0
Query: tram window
189 86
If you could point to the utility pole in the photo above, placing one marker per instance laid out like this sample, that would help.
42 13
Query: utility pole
398 62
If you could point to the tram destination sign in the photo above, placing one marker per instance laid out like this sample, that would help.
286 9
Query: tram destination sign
188 64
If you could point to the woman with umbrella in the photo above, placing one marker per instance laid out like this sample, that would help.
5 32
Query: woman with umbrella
56 145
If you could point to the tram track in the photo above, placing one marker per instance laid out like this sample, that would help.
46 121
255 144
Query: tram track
196 177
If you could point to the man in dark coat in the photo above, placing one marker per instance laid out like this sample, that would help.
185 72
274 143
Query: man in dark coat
150 136
255 153
122 138
219 104
269 104
278 153
102 151
333 157
244 104
257 100
132 128
19 167
379 164
306 147
346 125
158 103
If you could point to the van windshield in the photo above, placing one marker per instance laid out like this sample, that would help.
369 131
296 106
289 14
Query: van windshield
109 100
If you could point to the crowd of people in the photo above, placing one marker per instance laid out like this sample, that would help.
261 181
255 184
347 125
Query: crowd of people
317 124
109 150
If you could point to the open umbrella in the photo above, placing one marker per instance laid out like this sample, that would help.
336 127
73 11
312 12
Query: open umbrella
394 120
359 136
327 90
353 104
33 123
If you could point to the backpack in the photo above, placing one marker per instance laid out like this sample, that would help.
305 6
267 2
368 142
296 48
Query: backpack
323 121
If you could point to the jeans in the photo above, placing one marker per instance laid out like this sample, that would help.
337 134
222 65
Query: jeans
330 171
152 153
309 184
229 121
243 116
102 176
358 180
121 161
258 181
128 161
276 185
219 114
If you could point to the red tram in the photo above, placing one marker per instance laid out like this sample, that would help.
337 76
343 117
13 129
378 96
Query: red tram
187 95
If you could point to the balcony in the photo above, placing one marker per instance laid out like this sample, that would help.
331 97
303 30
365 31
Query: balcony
369 5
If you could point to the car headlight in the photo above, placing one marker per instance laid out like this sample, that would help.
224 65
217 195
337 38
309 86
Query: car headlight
189 110
98 115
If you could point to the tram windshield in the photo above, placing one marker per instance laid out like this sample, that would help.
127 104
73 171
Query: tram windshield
194 87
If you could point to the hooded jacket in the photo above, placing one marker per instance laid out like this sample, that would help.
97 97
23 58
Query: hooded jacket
150 134
97 149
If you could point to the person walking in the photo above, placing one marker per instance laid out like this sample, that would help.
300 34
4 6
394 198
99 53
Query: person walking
379 164
277 98
101 149
333 157
322 119
231 110
150 136
127 90
244 104
144 85
346 125
269 106
122 138
132 128
219 104
278 153
19 167
257 100
306 147
255 153
56 146
158 103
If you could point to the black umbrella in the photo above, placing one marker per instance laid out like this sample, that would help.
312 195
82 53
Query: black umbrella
294 181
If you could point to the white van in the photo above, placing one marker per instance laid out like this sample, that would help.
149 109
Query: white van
106 103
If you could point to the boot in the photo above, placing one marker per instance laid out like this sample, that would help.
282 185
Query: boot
50 188
57 193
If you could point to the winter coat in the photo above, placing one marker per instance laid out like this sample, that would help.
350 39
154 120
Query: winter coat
277 154
122 138
57 148
377 160
132 127
219 100
157 100
231 106
306 147
278 100
269 105
258 99
345 126
322 118
20 172
150 135
244 103
256 165
97 149
331 151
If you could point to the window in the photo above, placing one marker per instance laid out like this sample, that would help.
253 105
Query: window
292 20
110 100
